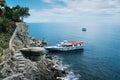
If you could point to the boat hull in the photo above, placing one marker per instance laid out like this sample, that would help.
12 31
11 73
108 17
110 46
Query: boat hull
63 48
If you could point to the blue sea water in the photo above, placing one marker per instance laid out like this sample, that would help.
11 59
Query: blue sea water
100 59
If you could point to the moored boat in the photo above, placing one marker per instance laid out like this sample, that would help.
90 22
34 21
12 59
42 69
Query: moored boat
66 46
84 29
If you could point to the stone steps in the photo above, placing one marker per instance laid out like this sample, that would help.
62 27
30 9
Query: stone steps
23 77
21 65
20 61
20 57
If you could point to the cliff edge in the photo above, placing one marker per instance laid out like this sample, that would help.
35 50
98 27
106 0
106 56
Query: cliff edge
15 66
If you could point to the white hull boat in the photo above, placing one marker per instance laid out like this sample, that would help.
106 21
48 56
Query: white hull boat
66 46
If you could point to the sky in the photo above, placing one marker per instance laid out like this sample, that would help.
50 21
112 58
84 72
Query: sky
70 10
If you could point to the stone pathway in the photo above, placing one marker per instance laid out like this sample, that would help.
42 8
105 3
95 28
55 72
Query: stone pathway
20 61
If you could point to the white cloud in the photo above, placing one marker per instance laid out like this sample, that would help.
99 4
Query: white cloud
76 8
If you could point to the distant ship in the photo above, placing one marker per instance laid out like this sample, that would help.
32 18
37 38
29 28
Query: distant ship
66 46
84 29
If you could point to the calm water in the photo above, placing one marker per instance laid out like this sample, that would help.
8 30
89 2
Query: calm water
100 59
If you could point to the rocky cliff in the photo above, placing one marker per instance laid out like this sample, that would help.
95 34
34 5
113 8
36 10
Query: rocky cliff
16 67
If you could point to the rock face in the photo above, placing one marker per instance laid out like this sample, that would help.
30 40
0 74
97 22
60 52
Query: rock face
17 67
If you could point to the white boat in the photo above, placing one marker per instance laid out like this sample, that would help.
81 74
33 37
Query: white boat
66 46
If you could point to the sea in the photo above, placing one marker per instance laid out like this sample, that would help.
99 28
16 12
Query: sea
100 58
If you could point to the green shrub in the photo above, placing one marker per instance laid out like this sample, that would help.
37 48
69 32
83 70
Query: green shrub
3 44
1 51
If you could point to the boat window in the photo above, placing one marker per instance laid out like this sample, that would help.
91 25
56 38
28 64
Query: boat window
58 44
78 44
67 45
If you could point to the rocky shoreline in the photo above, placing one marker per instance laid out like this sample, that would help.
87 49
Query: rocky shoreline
16 67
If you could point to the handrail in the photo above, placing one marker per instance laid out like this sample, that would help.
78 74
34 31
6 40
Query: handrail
13 36
18 25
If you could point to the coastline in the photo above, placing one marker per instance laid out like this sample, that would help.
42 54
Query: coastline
23 68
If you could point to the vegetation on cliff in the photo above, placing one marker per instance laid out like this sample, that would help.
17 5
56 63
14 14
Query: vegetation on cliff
15 66
16 13
8 17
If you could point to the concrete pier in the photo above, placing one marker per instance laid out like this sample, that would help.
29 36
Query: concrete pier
33 53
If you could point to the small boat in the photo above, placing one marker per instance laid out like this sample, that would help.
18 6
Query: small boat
66 46
84 29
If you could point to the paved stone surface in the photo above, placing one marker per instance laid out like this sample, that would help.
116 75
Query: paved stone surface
20 61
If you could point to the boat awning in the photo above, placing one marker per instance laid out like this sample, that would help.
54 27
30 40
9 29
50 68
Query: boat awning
76 42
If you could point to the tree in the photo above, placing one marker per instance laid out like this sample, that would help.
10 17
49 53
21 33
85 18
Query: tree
8 12
11 15
0 12
24 12
16 13
4 24
20 12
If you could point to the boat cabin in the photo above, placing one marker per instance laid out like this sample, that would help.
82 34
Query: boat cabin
71 43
